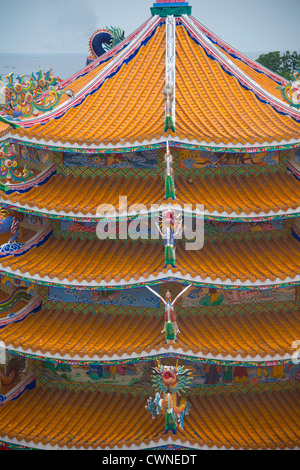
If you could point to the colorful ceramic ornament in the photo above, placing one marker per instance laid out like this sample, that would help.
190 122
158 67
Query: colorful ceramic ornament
170 382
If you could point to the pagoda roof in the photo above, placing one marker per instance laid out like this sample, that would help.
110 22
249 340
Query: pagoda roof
110 263
62 419
119 100
232 196
222 98
70 335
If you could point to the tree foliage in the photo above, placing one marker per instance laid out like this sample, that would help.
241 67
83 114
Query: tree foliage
284 64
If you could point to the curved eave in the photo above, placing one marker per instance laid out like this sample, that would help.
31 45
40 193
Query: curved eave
232 68
167 275
215 215
217 103
185 142
94 81
126 424
104 264
130 87
249 337
245 198
153 354
165 440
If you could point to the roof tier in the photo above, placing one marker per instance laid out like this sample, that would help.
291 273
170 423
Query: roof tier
82 78
127 106
264 77
74 335
247 196
220 100
212 105
112 263
82 420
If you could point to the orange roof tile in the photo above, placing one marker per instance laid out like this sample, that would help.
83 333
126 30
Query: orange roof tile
93 337
264 77
128 106
246 195
219 100
4 128
107 262
83 195
212 106
82 78
83 420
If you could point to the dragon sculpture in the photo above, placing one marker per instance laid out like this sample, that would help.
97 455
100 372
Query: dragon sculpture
291 91
23 97
6 378
102 40
170 382
10 170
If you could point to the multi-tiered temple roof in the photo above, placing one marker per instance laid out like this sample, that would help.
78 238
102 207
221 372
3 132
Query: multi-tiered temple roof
222 123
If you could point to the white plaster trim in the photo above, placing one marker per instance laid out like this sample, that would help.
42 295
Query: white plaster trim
241 56
161 140
170 73
160 207
152 353
162 276
152 444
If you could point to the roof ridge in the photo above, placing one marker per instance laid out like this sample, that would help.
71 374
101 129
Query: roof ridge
242 77
239 55
113 66
103 58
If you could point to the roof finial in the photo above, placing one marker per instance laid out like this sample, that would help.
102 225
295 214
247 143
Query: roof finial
166 8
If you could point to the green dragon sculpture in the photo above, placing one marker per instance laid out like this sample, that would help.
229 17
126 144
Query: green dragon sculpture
170 382
23 97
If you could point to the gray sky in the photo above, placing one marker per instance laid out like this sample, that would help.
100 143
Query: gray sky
64 26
